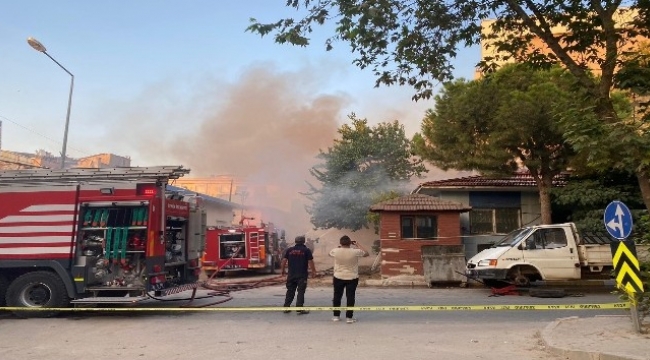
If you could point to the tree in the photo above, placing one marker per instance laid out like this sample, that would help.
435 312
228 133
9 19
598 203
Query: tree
498 123
584 198
413 42
361 167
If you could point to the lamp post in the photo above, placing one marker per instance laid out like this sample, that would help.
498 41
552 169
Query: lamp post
36 45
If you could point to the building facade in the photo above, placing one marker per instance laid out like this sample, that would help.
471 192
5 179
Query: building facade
498 205
411 222
623 18
14 160
104 161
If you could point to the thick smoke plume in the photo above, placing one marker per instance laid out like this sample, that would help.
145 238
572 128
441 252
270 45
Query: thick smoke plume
265 128
267 133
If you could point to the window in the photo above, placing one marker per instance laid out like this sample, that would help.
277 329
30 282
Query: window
494 221
232 246
550 238
419 227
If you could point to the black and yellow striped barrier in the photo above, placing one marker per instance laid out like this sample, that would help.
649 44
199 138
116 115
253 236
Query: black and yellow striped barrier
626 267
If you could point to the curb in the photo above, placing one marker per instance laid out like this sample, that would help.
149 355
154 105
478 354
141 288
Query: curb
576 354
392 282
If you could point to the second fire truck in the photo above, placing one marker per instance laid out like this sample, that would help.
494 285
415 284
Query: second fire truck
243 247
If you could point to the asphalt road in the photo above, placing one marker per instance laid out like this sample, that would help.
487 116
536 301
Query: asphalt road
274 335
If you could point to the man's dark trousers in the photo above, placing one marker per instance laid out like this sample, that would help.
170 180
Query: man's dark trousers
294 282
350 287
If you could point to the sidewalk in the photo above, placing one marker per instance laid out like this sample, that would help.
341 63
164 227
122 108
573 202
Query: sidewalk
596 338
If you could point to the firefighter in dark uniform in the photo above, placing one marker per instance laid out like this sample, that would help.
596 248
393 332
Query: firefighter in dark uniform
300 261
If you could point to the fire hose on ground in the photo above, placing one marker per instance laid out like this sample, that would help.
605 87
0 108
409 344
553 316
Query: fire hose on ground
222 289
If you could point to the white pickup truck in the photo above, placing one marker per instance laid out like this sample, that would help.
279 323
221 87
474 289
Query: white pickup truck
544 252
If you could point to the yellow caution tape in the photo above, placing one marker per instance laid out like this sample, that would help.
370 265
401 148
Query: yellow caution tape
606 306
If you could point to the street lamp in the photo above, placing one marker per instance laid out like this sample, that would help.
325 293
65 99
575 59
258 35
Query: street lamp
36 45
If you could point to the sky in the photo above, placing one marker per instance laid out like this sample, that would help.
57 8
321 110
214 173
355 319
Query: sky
170 82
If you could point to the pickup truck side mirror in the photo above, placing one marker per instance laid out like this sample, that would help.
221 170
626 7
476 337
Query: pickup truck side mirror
530 244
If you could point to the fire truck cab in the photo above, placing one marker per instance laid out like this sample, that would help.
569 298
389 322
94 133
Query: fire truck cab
240 248
87 236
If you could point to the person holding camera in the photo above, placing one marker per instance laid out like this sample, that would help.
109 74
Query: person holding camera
346 275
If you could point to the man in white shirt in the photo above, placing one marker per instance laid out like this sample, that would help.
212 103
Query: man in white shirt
346 275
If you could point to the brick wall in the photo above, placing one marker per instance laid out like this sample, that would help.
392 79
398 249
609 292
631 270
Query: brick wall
404 257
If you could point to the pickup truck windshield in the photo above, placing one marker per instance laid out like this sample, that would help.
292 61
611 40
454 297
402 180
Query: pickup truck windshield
513 238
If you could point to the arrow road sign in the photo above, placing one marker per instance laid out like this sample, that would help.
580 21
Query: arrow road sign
626 266
618 220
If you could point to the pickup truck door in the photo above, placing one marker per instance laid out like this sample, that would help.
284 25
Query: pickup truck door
553 253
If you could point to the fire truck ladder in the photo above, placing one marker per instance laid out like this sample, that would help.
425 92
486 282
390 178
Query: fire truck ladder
160 174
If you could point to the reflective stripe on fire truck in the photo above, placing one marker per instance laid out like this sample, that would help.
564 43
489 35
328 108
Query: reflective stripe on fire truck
45 208
36 240
31 218
36 229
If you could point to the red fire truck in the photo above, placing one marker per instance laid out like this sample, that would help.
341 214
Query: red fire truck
243 247
88 236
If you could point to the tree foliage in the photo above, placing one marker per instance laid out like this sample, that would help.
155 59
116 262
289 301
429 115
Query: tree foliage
623 142
414 42
584 198
364 165
501 122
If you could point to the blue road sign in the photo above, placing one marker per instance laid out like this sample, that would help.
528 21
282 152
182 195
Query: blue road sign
618 220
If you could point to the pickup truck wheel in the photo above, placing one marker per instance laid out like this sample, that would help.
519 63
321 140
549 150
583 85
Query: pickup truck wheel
37 289
521 280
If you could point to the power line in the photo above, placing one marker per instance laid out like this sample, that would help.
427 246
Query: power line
39 134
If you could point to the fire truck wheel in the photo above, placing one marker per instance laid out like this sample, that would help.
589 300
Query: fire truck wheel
4 284
37 289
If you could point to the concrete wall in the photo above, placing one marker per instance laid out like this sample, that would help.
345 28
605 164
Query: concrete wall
442 264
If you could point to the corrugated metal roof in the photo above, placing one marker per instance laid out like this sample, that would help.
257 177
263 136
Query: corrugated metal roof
205 197
419 202
516 180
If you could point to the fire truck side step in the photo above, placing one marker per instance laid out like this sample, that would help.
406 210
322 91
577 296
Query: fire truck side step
110 300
